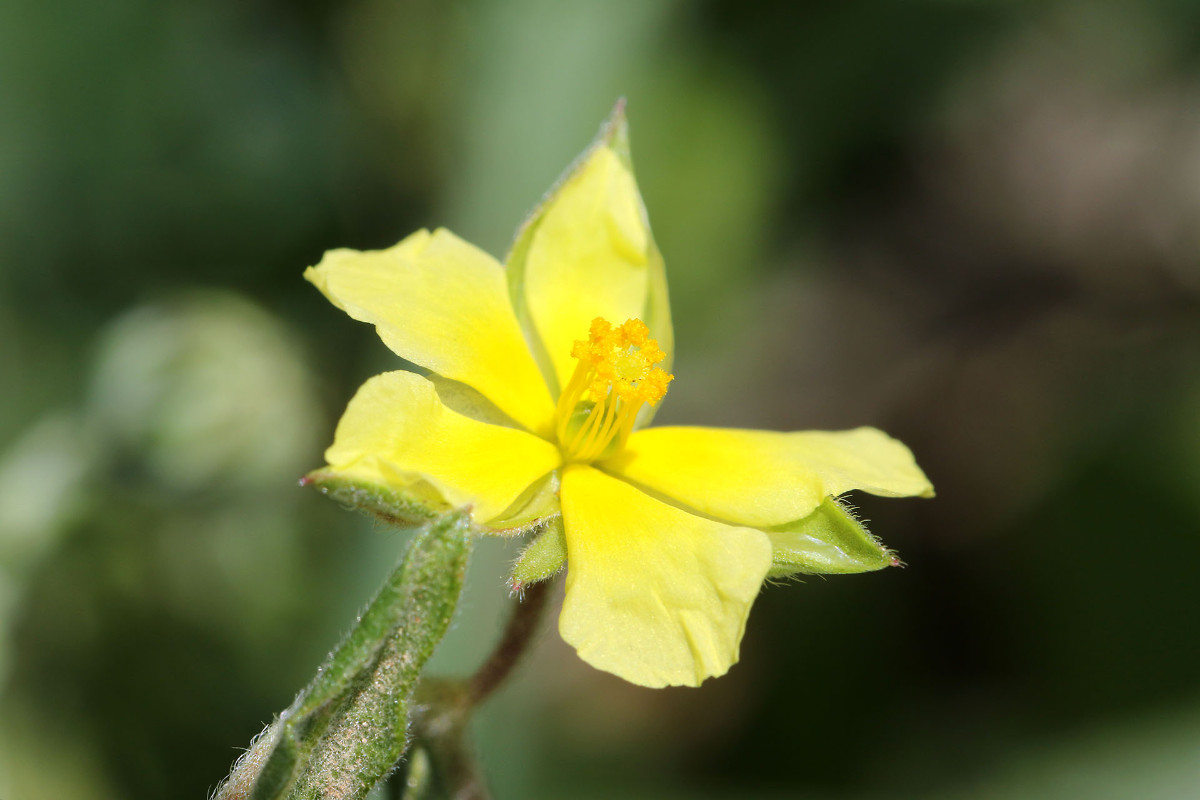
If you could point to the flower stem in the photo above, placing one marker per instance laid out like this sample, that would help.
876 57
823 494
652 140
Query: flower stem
522 624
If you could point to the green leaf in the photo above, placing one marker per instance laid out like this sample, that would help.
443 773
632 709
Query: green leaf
348 728
828 541
543 558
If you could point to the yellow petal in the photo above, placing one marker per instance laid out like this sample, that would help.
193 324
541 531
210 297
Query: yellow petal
443 304
587 253
396 432
655 595
763 478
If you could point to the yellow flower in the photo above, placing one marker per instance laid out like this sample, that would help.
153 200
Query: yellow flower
542 376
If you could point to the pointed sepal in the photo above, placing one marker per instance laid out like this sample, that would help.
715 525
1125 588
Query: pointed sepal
542 558
415 505
829 541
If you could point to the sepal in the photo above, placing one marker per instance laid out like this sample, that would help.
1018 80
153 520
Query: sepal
417 504
543 558
829 541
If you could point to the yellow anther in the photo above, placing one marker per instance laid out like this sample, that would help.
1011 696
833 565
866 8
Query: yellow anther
617 373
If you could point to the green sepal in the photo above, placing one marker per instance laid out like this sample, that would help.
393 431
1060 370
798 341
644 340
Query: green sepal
543 558
349 727
829 541
419 503
414 505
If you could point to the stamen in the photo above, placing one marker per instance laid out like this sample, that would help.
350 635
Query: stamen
615 376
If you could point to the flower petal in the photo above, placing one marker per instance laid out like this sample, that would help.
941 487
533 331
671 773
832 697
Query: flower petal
764 478
655 595
443 304
396 433
587 252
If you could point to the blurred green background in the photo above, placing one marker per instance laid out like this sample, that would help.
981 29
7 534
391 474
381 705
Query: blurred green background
974 223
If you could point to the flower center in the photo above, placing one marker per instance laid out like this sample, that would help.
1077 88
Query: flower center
615 375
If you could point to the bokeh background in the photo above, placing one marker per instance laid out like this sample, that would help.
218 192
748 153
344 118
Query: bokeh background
974 223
